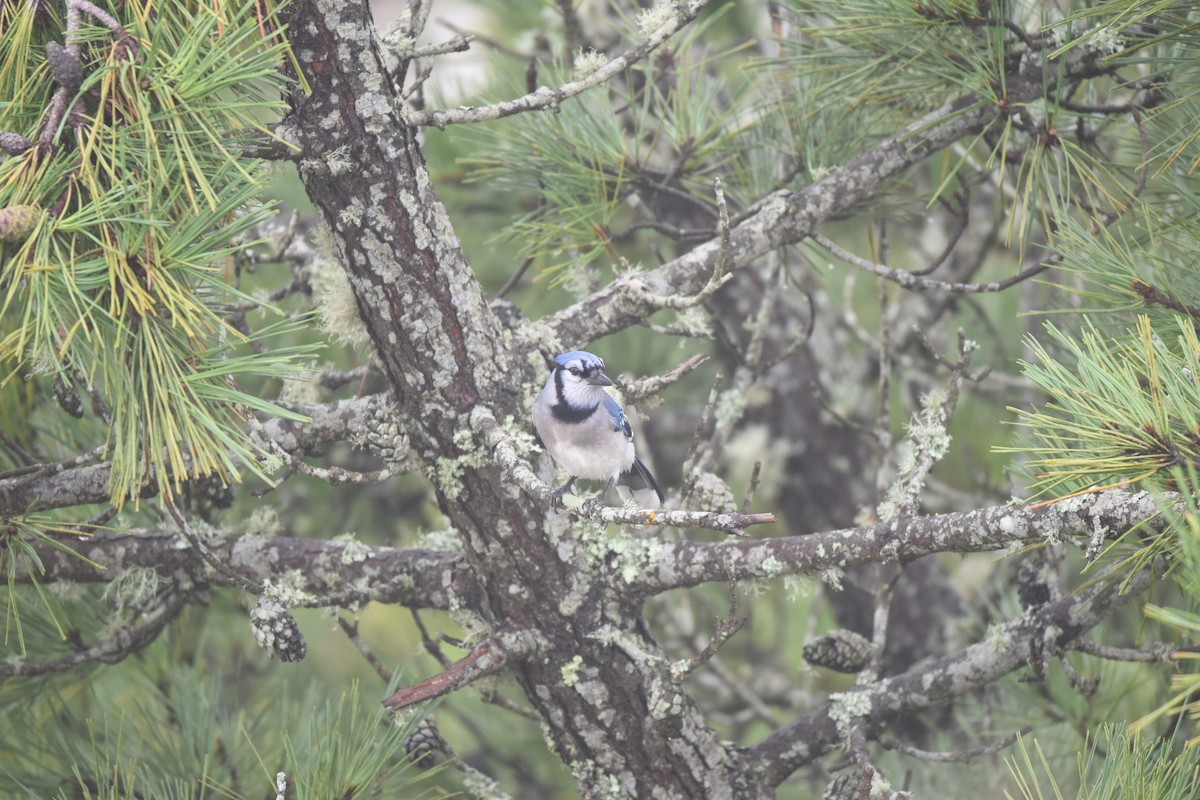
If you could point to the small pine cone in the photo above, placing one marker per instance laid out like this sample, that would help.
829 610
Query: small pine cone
14 143
67 397
17 222
211 491
840 650
425 744
65 66
276 630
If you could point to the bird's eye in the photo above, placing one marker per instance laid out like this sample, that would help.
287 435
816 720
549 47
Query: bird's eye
573 370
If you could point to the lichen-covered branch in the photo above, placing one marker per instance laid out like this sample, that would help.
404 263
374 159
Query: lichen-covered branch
788 217
320 572
545 97
1105 514
341 420
1006 648
486 658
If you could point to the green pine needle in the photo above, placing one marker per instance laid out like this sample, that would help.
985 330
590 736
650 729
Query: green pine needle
144 203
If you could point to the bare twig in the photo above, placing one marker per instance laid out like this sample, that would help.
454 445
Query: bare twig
942 757
351 630
545 97
911 280
515 278
234 577
719 276
488 658
727 626
634 391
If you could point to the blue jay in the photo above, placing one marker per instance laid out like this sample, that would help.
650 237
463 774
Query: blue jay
586 432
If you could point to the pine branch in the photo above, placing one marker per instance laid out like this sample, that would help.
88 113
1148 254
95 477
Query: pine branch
332 574
789 217
1111 512
940 681
546 97
70 486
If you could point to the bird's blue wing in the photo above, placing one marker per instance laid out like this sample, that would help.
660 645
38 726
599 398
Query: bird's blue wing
619 420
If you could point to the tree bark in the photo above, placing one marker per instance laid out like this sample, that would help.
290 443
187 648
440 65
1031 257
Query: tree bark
597 674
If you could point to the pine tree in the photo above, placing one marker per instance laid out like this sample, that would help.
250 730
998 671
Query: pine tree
904 280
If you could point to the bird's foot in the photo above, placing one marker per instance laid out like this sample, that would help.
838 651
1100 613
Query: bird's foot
556 496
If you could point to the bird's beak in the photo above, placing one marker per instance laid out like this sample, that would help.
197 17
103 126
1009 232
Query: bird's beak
600 379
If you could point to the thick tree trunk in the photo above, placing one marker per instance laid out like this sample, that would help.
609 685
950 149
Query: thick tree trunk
595 674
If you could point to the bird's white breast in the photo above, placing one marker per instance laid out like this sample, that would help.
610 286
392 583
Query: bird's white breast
590 449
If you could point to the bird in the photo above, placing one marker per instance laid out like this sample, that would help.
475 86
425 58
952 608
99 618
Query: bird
587 433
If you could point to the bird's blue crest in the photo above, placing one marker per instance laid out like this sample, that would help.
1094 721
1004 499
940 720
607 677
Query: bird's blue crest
584 357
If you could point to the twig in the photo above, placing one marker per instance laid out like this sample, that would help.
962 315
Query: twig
1143 173
1085 686
883 608
456 44
515 278
334 476
719 276
691 461
727 626
572 30
1152 295
336 378
545 97
248 584
488 658
31 463
1158 652
62 101
752 489
351 630
36 471
926 436
910 280
427 641
744 376
634 391
946 757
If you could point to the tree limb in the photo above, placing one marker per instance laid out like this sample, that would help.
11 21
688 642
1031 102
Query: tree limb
939 682
1111 512
788 217
90 484
316 567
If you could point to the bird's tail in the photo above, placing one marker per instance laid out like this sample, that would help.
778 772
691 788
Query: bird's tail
645 489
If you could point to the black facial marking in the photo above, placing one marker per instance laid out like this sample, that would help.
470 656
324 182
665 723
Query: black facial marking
562 410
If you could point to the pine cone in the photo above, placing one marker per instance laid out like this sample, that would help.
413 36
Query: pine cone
425 744
17 222
67 397
840 650
276 630
14 143
65 66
